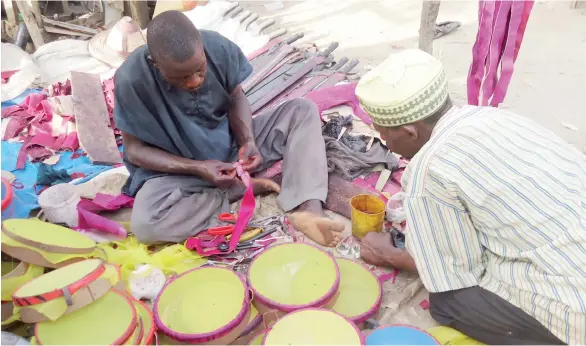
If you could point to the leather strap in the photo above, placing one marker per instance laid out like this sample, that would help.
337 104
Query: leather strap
45 247
65 292
34 257
83 297
278 57
308 66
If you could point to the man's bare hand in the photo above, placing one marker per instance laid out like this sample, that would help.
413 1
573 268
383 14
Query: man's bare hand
375 247
250 157
220 174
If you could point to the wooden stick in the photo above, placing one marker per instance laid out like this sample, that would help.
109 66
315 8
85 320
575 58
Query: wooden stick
429 13
31 24
62 31
65 5
11 12
139 12
82 29
37 12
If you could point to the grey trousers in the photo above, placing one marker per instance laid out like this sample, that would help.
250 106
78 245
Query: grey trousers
173 208
486 317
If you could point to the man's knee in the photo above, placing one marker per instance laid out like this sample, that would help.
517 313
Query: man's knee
438 303
303 110
145 231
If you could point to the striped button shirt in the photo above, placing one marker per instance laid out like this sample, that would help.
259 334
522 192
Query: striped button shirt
497 201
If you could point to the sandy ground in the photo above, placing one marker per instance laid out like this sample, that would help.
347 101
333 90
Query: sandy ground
549 81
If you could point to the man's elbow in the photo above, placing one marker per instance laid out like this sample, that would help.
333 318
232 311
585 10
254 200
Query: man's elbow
132 149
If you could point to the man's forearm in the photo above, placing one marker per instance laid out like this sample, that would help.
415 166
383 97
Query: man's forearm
401 260
155 159
240 117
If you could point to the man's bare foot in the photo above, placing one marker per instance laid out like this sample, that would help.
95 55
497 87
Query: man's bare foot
260 187
318 228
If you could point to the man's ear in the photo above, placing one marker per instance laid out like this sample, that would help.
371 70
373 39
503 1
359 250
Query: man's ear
411 131
152 61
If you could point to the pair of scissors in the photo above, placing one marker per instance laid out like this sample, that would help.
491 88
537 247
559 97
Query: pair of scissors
228 217
221 230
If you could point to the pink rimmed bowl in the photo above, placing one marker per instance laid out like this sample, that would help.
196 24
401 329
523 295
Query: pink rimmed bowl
203 306
289 277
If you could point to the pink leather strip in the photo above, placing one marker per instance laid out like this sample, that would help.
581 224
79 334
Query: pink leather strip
480 50
500 24
518 16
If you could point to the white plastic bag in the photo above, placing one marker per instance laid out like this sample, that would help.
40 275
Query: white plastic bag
395 211
14 58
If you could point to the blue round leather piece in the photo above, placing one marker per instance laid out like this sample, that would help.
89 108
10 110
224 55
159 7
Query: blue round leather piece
400 335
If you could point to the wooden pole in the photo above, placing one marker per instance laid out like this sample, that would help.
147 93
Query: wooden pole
139 11
11 12
37 12
31 24
429 14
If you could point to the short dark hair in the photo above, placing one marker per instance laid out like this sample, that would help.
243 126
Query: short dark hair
172 36
435 117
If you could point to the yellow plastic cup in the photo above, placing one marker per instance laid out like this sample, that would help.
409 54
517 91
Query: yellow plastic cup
368 214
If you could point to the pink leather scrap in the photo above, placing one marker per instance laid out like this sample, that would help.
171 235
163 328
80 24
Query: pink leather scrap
90 220
31 121
206 247
6 75
105 202
338 95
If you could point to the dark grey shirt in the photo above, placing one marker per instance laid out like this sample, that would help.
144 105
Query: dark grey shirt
189 124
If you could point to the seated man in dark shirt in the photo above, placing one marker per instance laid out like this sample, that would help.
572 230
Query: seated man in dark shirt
184 118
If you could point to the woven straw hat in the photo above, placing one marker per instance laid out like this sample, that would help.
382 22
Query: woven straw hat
115 45
407 87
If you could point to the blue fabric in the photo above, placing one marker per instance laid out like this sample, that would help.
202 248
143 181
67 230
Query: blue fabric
191 124
26 199
400 335
18 100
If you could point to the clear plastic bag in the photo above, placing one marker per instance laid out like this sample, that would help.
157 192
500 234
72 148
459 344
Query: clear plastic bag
395 211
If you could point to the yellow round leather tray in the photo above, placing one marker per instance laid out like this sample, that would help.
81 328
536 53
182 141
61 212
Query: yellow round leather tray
15 274
110 320
289 277
44 244
313 327
148 322
64 290
360 292
21 274
203 305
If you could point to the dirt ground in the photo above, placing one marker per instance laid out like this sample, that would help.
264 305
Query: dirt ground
549 81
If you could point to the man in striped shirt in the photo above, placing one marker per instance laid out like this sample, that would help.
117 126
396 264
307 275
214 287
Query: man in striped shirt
495 204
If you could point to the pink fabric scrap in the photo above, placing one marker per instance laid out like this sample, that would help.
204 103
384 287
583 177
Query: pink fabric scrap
424 304
338 95
6 75
89 219
105 202
61 89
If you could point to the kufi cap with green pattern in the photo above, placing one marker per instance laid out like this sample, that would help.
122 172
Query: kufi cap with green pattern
407 87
